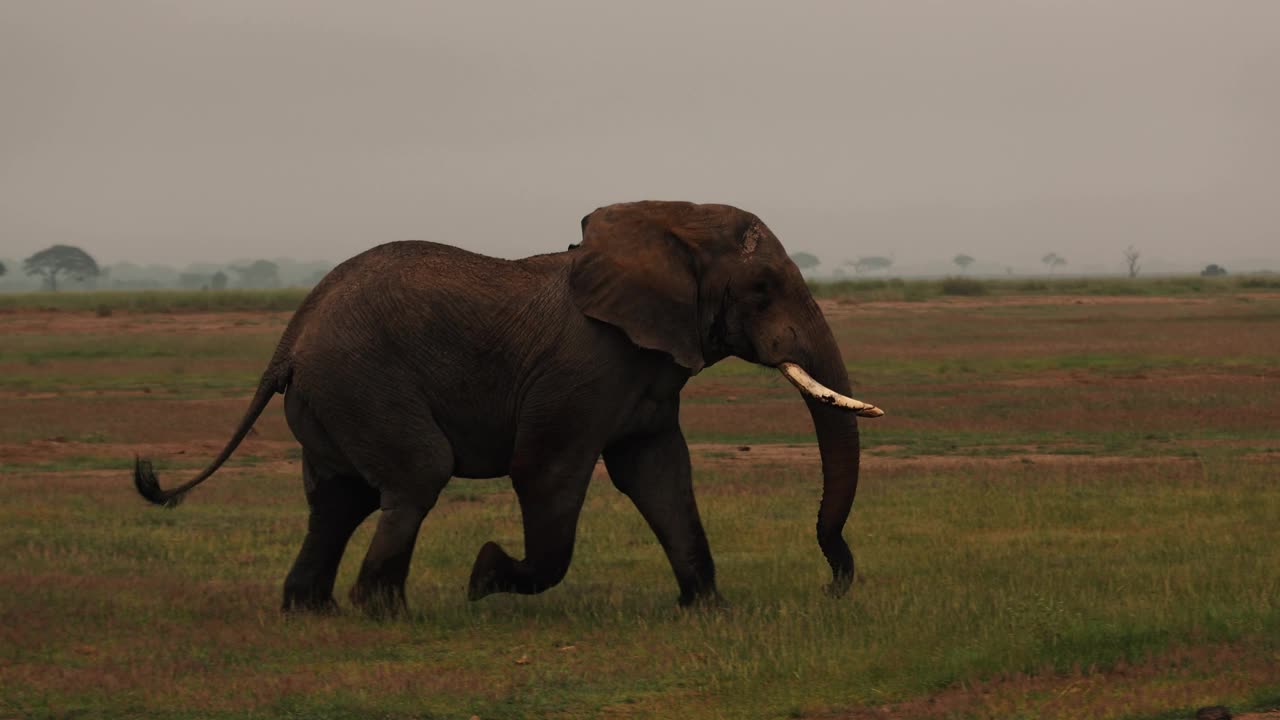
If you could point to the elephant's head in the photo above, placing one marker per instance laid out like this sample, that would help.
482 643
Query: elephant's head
702 282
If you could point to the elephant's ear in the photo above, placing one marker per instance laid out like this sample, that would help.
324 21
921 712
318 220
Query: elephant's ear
641 277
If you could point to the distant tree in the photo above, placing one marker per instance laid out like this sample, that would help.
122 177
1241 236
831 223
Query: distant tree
871 263
1131 255
1213 270
3 269
1054 261
193 281
964 261
127 275
259 274
805 261
218 281
58 260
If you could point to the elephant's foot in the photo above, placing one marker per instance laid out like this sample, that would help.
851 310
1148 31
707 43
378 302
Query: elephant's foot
308 600
496 571
379 601
840 583
706 599
491 572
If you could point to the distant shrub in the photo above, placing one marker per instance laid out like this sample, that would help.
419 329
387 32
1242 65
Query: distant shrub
1259 282
963 286
1213 270
168 301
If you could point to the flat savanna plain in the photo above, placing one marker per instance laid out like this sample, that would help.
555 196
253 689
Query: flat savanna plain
1069 511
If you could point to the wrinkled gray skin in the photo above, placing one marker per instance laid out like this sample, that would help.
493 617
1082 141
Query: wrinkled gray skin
416 362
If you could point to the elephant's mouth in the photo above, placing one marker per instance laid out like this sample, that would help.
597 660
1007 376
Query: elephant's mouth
811 388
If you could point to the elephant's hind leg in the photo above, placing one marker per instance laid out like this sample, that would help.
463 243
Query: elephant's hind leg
409 489
380 587
339 503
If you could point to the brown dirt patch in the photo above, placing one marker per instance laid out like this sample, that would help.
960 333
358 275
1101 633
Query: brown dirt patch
837 307
1154 378
157 419
1188 678
34 395
46 322
721 455
54 449
745 456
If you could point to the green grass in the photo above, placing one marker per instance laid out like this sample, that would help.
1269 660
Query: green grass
36 350
917 290
1069 511
136 301
119 463
157 300
966 575
902 443
191 365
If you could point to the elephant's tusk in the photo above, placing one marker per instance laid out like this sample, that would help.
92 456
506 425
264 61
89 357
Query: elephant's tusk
823 394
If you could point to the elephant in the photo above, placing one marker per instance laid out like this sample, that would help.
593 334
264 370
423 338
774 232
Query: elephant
416 362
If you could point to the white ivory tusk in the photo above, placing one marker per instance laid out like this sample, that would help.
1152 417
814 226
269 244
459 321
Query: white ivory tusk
816 390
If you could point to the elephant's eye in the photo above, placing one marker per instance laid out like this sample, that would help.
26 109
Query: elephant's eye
760 293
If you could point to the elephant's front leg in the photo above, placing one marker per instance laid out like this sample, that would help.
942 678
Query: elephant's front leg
654 471
551 498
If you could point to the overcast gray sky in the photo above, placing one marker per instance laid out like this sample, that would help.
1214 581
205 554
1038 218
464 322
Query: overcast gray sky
180 131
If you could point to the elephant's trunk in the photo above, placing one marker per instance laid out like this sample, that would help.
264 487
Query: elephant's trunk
837 429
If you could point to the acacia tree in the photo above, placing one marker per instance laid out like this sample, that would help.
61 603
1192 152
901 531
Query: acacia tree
58 260
964 261
1053 260
1131 255
259 274
871 263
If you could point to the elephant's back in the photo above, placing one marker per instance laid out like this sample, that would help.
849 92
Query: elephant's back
415 267
406 280
395 300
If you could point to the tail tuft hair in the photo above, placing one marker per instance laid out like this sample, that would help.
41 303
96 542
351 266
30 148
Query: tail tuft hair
144 478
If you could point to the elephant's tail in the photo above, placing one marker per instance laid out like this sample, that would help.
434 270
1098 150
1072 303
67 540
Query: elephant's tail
274 380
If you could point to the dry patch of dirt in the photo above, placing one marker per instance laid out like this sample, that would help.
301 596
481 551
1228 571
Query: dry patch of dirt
54 449
745 456
836 307
1050 378
722 455
1189 678
47 322
44 395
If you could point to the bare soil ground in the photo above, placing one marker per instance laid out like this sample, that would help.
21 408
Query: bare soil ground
839 306
60 322
1091 693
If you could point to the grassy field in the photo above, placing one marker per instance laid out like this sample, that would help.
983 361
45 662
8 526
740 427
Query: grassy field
1070 511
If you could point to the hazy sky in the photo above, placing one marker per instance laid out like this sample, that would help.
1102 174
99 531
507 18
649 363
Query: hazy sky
180 130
